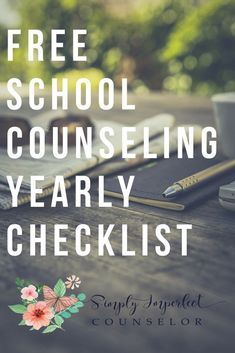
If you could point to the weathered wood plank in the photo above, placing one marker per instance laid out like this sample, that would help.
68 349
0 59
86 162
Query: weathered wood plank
209 268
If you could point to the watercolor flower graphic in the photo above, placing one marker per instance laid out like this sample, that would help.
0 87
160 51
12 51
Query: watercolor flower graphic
45 307
73 282
29 293
38 315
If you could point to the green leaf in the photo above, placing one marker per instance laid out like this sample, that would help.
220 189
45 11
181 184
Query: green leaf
19 282
60 288
50 329
39 288
74 310
79 304
59 320
65 314
21 323
81 296
18 308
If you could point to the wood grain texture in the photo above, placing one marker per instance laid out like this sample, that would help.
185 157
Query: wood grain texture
208 269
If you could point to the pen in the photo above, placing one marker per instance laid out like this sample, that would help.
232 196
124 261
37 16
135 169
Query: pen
199 178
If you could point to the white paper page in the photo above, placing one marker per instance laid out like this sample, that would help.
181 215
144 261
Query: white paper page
49 166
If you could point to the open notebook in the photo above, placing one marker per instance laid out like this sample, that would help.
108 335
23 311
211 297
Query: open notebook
152 179
49 167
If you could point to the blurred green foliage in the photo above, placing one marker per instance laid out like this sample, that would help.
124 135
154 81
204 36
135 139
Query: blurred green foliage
176 45
201 50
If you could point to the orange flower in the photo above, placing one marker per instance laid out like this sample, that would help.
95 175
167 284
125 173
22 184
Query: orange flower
38 315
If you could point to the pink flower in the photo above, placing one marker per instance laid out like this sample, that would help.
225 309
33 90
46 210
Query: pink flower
29 293
38 315
72 282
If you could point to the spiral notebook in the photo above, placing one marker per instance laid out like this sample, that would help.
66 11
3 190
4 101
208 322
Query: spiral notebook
49 167
152 179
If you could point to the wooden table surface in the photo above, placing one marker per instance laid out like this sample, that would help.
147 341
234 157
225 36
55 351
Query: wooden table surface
209 268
